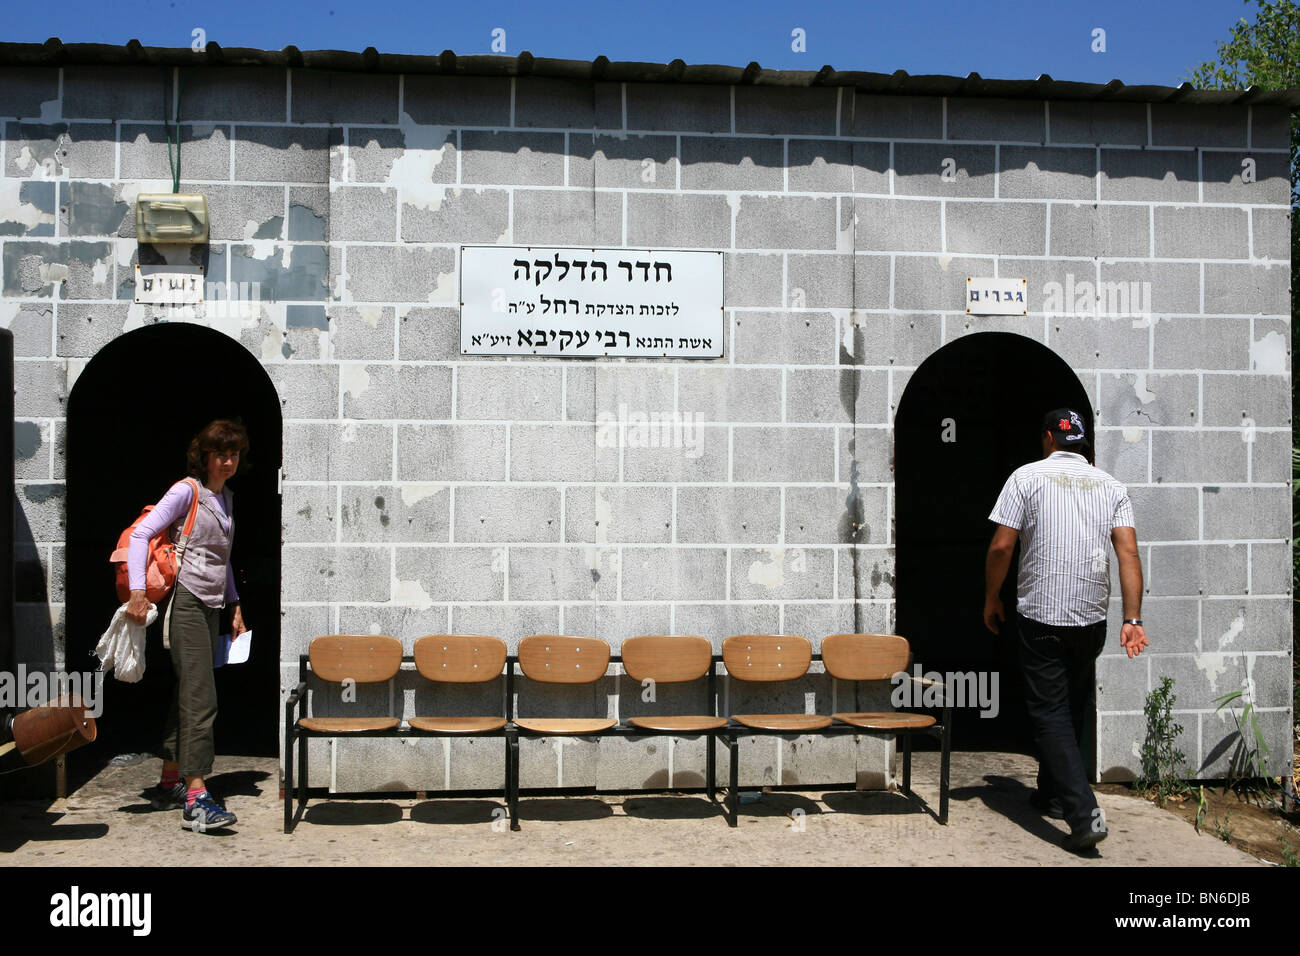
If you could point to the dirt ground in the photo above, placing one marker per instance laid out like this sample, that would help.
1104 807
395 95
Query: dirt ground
107 823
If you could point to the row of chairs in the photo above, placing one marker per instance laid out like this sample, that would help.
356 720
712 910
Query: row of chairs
561 659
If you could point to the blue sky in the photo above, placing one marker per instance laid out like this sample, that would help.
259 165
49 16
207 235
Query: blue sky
1156 42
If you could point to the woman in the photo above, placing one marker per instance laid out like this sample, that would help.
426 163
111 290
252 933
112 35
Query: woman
204 585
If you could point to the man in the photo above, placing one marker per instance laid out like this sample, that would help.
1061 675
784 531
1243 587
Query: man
1065 511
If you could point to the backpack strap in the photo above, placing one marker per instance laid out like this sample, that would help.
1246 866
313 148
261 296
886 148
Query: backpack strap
183 539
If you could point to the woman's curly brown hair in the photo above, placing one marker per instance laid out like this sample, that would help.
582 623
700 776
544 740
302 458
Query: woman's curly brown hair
221 435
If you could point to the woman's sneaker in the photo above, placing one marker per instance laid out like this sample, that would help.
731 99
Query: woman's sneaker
206 814
167 798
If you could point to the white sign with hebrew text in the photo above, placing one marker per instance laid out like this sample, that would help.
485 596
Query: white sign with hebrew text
584 303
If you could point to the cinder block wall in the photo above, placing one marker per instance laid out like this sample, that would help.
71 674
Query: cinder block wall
426 491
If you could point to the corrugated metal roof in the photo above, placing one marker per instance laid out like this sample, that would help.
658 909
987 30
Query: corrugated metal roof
54 52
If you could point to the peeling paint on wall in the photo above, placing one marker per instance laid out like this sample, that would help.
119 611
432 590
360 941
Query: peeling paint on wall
412 594
27 439
26 208
413 171
355 379
1268 355
769 573
414 494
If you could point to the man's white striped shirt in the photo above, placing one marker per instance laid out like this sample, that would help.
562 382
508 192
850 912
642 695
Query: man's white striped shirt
1065 510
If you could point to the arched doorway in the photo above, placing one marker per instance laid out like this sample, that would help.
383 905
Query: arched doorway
125 446
969 417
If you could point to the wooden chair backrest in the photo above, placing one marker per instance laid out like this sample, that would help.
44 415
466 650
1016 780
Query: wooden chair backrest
766 657
865 656
460 658
667 659
560 659
364 658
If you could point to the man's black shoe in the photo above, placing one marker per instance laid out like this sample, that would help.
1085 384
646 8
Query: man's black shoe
1084 839
1049 806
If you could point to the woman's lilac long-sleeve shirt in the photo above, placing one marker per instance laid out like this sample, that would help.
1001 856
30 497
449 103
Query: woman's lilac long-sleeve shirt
174 506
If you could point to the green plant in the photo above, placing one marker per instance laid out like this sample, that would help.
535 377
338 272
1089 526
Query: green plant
1223 829
1289 855
1202 805
1251 750
1162 763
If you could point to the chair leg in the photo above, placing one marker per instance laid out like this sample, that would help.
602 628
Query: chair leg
943 772
513 741
907 762
712 770
288 778
733 795
302 773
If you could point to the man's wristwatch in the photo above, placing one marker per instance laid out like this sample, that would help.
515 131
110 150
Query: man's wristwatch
1133 620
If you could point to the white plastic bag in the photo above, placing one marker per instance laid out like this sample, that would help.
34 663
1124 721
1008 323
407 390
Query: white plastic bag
121 648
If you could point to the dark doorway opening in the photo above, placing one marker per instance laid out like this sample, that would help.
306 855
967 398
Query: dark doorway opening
969 417
131 415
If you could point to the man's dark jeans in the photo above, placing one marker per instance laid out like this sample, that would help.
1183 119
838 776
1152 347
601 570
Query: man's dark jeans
1059 666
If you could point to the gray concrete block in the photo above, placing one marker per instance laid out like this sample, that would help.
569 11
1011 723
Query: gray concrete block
904 340
1246 177
1270 127
934 283
790 573
511 158
637 763
786 110
1035 172
457 100
299 625
249 94
309 214
784 454
828 395
306 391
786 222
1198 456
105 92
508 621
1149 175
407 623
701 455
297 272
388 273
1162 287
615 622
338 451
569 217
618 513
826 281
206 149
723 393
555 102
83 329
364 213
308 514
678 221
732 163
1219 735
478 763
461 215
1270 234
944 170
379 764
719 621
726 515
1166 514
428 334
361 332
77 150
33 212
563 453
1187 124
674 574
40 389
1246 513
866 455
396 391
1198 679
1014 229
574 573
411 157
1100 230
1269 455
1086 342
451 452
40 505
1230 399
1196 569
1122 684
23 90
825 166
313 574
1087 121
866 572
31 451
813 760
1245 624
1119 742
823 515
623 162
451 573
1027 326
1191 343
343 98
686 107
507 514
1246 289
285 154
751 279
91 209
1190 232
385 513
241 212
1176 621
895 117
786 338
623 389
979 117
871 167
1123 454
897 225
1272 680
1271 569
816 620
580 392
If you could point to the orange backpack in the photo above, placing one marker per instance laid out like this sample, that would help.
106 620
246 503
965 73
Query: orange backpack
164 561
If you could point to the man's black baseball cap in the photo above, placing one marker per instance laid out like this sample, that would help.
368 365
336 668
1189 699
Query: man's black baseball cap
1067 425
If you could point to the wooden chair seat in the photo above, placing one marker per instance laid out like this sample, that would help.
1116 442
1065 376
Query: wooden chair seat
887 721
347 725
679 724
576 726
783 723
457 725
